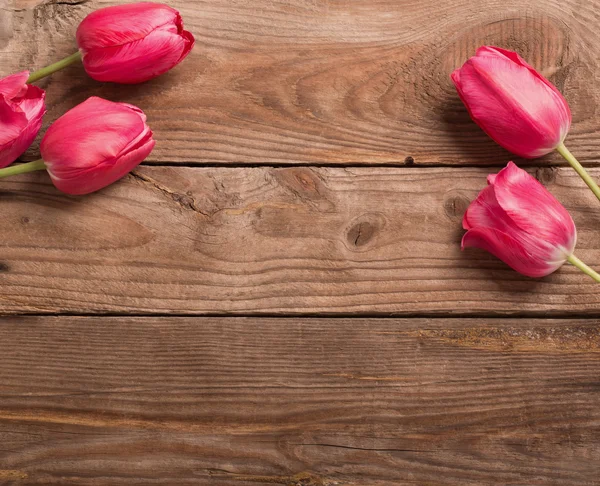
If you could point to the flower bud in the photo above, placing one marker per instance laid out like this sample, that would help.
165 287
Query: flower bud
95 144
132 43
514 104
516 219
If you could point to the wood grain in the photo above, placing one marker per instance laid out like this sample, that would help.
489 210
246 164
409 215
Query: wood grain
276 240
159 399
325 81
93 401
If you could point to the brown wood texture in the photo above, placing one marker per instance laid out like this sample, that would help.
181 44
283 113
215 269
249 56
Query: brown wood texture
138 368
276 240
299 402
325 81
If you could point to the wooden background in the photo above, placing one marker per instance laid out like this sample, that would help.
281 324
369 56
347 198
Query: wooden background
278 296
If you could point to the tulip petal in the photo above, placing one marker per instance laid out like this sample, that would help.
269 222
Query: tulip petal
533 208
123 24
16 132
21 110
138 61
12 124
493 51
14 85
514 57
32 103
511 252
485 211
12 121
96 178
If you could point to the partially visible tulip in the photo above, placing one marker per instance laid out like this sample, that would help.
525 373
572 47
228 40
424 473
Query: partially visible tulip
128 44
22 108
516 219
516 106
91 146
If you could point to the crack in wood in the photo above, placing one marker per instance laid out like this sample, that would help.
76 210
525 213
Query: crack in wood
300 479
368 449
185 201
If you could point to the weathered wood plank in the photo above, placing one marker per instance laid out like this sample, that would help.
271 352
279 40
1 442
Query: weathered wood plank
325 81
275 240
299 402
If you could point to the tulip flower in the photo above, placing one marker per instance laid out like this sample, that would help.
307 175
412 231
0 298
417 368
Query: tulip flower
128 43
516 219
21 111
91 146
516 106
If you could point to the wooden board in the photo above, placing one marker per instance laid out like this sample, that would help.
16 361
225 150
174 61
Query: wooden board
299 402
325 81
276 240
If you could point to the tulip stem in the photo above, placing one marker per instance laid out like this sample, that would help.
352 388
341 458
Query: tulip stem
564 151
573 260
22 168
57 66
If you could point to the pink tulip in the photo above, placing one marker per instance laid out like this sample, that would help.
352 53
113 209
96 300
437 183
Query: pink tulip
517 220
95 144
514 104
21 111
517 106
132 43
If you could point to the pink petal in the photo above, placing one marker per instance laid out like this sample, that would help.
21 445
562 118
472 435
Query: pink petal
123 24
12 122
33 102
512 252
533 209
14 85
17 133
94 179
514 57
492 51
485 211
139 61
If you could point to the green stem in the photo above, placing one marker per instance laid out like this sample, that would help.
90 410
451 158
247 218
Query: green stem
57 66
573 260
22 168
564 151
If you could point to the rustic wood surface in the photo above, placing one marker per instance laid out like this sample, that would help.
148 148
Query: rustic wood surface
278 296
299 401
325 81
276 240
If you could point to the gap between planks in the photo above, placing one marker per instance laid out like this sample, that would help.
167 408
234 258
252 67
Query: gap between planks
530 164
314 316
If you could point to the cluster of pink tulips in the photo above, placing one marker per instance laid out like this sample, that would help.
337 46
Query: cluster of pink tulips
99 141
515 218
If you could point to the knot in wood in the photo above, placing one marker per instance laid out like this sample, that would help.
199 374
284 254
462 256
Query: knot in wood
546 175
455 205
363 230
